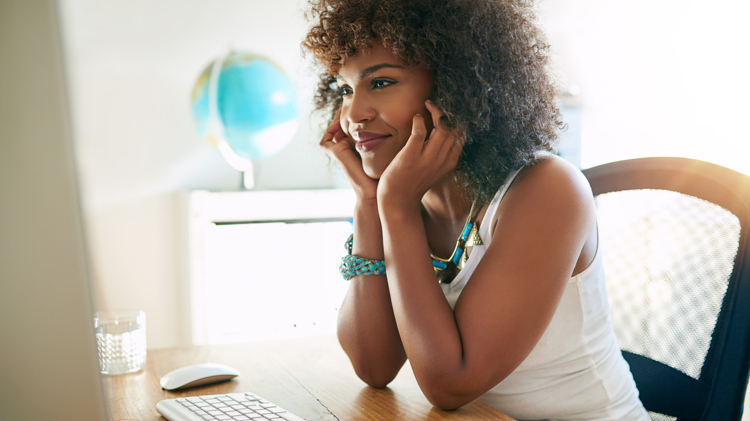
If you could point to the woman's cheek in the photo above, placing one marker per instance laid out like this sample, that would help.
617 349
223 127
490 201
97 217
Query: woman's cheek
344 122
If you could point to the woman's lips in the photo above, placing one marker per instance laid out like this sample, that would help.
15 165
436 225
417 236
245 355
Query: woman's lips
365 142
369 144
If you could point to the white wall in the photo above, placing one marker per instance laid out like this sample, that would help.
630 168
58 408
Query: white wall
131 66
656 77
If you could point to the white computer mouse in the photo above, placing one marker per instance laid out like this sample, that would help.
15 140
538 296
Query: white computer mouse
197 375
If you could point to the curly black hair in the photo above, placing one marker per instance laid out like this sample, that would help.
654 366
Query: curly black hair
489 61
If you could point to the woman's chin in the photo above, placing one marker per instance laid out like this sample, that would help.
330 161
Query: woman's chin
374 173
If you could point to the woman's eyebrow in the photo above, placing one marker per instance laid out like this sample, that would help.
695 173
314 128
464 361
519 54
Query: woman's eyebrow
372 69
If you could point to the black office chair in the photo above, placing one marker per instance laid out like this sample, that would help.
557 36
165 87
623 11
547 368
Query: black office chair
675 234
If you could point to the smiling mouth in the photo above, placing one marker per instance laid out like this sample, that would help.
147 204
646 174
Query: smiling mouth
364 146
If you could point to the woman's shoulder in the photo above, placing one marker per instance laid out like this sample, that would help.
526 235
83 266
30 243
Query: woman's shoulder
549 175
548 185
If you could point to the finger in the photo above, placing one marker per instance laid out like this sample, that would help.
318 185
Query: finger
339 136
437 114
331 133
418 133
337 117
334 128
335 123
444 146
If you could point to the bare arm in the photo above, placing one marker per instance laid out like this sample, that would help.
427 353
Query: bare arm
542 226
366 324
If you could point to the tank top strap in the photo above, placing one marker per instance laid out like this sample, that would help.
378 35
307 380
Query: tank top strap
484 228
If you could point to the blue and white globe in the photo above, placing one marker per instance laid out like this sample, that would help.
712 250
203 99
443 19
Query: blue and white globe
245 105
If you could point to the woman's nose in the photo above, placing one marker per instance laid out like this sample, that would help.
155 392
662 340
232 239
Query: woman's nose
360 109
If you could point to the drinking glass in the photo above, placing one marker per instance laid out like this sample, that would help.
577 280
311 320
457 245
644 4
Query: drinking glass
120 340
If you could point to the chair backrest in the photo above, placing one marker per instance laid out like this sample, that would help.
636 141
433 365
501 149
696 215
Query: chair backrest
674 233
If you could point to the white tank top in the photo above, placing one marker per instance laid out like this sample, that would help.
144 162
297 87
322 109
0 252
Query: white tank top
576 371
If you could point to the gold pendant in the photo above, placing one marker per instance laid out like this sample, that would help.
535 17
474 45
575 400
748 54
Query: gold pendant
463 260
474 238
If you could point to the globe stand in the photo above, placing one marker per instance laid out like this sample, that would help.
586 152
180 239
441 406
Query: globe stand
241 164
248 180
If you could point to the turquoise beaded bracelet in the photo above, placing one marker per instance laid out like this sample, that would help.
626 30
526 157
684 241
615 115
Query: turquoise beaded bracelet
352 266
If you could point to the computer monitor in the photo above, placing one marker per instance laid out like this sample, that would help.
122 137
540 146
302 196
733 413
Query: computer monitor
48 364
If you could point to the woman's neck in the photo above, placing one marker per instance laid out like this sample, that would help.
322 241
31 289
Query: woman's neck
445 208
446 201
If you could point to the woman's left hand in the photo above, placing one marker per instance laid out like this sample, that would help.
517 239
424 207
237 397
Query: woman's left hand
421 162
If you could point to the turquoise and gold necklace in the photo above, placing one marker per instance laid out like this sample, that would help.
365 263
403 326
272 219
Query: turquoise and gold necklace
447 269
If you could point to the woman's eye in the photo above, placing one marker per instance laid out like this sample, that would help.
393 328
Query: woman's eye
381 83
345 90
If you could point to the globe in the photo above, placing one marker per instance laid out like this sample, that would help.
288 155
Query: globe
245 105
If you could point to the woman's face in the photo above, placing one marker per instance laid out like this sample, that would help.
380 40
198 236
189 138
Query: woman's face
381 95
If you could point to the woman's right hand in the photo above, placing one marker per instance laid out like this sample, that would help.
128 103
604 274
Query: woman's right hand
337 144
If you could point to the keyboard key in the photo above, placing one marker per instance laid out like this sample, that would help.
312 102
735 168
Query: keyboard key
233 407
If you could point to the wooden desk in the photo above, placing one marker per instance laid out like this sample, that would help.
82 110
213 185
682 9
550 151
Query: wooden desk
310 377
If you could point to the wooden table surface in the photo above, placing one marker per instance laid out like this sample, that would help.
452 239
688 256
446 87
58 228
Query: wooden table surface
310 377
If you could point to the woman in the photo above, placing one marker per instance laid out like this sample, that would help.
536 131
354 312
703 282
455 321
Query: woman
443 122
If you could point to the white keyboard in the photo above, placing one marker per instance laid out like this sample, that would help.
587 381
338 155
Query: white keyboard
229 407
